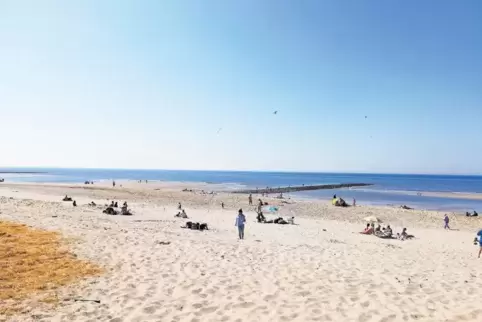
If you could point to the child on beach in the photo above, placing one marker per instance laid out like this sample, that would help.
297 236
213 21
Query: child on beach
240 221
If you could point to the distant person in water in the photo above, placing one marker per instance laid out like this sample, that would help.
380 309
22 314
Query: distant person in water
240 222
446 221
250 199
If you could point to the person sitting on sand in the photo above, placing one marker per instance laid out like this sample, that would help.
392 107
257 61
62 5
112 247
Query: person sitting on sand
116 205
125 211
404 235
388 231
475 214
74 203
384 233
92 204
112 204
67 198
291 221
179 206
368 230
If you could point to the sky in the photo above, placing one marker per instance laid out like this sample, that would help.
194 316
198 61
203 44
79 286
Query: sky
380 86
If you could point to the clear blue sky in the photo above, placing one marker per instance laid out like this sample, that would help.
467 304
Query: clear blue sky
148 84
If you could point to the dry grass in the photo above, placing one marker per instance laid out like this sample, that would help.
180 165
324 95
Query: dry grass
32 261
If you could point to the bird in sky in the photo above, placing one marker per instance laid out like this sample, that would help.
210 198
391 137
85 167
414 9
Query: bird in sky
275 112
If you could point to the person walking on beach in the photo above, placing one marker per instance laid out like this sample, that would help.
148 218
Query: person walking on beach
479 237
250 199
446 221
113 184
240 221
354 202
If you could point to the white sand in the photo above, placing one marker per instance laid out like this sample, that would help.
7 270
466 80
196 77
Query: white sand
278 273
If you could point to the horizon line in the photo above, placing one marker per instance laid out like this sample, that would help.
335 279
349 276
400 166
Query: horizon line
230 170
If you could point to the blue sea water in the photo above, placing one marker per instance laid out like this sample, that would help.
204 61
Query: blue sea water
393 189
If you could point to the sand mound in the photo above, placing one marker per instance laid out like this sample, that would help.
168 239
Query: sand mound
33 261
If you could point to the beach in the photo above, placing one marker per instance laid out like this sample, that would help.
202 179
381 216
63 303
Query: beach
320 269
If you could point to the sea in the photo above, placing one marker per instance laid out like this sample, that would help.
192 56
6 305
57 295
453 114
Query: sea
386 189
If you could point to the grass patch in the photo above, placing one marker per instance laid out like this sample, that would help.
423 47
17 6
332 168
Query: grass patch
33 262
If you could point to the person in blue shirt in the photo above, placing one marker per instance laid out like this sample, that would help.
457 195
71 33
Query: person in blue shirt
240 221
479 237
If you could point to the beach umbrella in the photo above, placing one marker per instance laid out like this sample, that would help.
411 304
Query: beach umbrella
372 219
269 209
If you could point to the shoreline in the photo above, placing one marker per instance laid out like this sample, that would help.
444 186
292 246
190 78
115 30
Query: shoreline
229 188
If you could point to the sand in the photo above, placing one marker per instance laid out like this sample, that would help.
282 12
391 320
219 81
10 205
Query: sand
318 270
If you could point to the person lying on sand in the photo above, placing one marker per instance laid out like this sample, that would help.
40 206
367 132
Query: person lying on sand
66 198
110 211
93 204
280 221
405 207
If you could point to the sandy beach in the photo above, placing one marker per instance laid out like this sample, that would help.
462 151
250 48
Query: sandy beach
318 270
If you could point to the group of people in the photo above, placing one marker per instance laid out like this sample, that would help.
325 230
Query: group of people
385 232
111 211
474 214
196 226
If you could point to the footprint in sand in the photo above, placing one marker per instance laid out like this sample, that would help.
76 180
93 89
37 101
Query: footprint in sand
208 310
